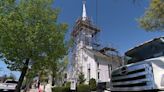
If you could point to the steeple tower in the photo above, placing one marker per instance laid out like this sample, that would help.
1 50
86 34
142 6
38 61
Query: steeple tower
84 35
84 13
84 32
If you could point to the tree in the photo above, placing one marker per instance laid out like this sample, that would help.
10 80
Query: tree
30 35
153 19
59 76
81 78
31 74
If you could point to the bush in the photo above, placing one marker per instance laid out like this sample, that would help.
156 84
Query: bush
80 88
81 78
61 89
83 88
92 84
57 89
68 84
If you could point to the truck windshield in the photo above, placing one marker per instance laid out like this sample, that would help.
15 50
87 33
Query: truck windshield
151 49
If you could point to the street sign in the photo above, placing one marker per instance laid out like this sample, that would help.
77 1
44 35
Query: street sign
73 84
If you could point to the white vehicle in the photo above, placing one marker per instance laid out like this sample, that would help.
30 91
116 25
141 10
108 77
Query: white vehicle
143 69
8 85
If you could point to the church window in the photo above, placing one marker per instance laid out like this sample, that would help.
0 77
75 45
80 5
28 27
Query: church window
98 65
89 73
109 69
98 75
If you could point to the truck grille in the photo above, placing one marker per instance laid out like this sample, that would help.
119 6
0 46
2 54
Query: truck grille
132 78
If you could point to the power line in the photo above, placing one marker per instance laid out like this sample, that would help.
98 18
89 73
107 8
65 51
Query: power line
96 12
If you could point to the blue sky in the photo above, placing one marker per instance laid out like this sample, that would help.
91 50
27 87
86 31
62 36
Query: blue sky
115 18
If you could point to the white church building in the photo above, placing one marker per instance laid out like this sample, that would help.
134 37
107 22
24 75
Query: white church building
89 57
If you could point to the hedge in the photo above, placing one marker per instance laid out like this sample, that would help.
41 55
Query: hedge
92 84
61 89
80 88
83 88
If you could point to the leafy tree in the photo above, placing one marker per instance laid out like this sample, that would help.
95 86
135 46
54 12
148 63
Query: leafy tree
81 78
30 75
153 19
59 76
30 35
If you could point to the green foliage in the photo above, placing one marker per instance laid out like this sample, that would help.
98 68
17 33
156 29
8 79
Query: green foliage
68 84
153 19
29 31
80 88
81 78
60 68
92 84
57 89
83 88
61 89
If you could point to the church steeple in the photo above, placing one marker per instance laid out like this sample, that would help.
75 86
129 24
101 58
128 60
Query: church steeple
84 25
84 13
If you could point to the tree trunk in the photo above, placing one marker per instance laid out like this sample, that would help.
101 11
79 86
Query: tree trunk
53 81
24 70
28 84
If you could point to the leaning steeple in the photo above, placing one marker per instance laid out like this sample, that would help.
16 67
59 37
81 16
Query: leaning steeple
84 13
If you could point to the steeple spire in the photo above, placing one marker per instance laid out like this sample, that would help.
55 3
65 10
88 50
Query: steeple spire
84 14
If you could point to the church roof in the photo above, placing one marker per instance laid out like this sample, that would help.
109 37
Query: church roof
98 54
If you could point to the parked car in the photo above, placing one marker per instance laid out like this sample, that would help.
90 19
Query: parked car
8 86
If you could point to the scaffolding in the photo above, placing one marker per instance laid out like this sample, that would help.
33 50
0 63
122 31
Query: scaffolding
85 35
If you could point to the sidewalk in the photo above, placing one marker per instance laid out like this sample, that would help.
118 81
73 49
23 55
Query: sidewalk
33 90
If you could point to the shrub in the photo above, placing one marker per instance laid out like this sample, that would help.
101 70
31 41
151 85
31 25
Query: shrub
80 88
66 89
81 78
57 89
92 84
68 84
83 88
61 89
